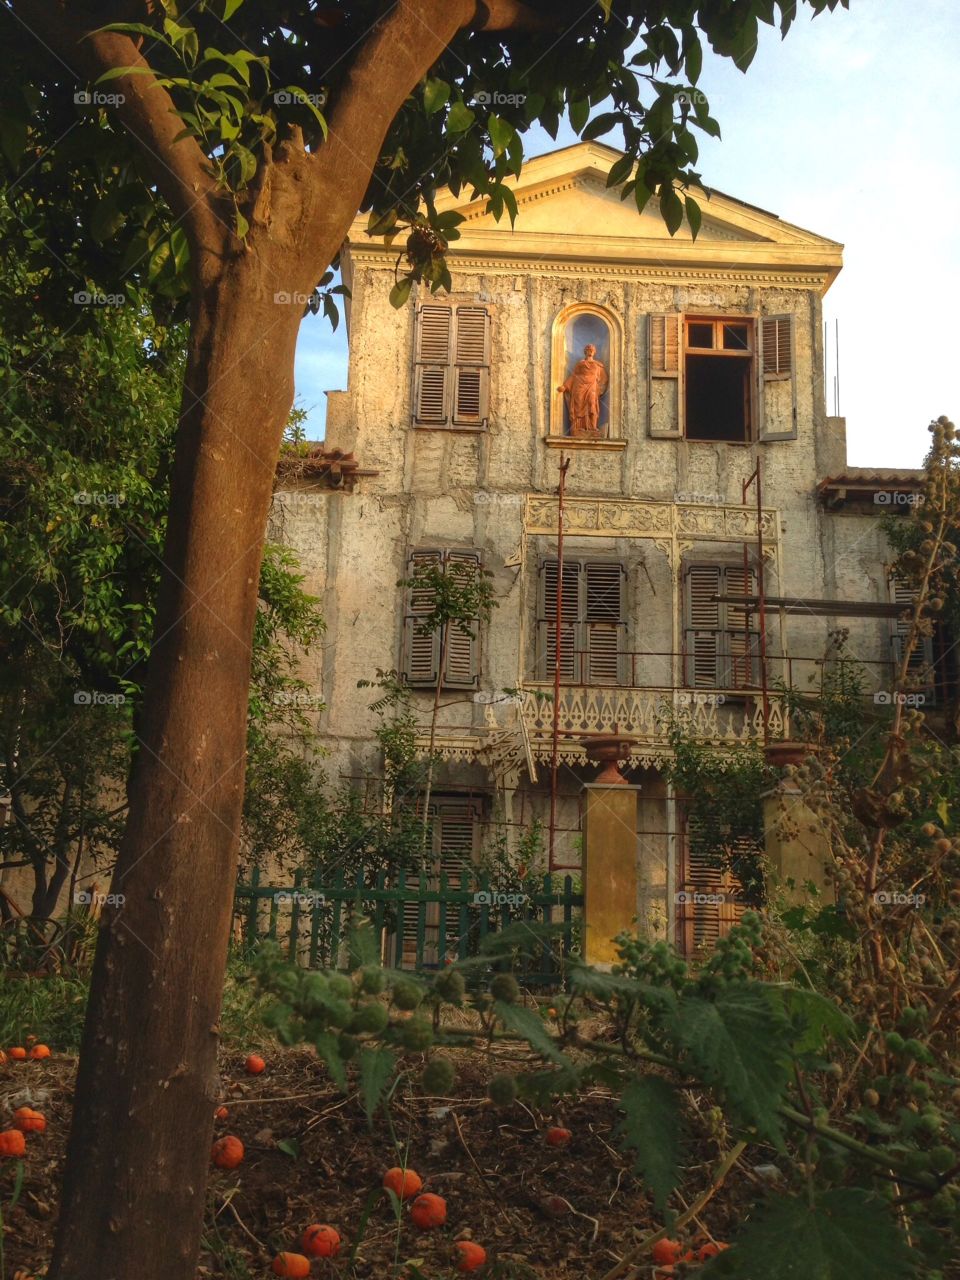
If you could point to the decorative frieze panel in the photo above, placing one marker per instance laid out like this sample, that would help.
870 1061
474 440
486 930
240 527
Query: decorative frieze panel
636 518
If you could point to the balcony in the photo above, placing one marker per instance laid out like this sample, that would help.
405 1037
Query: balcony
639 707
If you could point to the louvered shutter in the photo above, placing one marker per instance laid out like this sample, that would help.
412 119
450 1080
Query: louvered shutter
421 650
741 641
462 669
920 670
453 843
703 626
603 621
702 924
472 366
432 389
664 375
569 617
777 379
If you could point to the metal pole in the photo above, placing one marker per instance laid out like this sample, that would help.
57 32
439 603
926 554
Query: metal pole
557 648
763 612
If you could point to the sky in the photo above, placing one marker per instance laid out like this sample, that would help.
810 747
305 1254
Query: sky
846 128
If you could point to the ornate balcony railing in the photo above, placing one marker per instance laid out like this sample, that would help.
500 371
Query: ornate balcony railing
720 717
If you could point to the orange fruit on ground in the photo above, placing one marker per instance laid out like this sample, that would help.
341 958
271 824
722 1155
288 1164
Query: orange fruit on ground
253 1066
40 1051
28 1121
3 1057
221 1113
404 1183
18 1053
557 1137
12 1143
428 1211
471 1256
666 1251
290 1264
227 1152
320 1241
711 1249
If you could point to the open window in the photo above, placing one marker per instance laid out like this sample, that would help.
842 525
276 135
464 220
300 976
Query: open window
592 628
458 651
721 638
452 374
721 378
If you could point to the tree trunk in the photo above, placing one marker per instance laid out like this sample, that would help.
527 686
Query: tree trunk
134 1190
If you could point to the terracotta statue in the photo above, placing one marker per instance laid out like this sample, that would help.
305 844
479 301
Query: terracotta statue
583 388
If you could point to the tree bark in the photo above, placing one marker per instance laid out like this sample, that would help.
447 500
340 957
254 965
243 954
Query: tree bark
138 1154
134 1190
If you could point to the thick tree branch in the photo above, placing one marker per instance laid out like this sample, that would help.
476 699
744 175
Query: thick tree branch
510 15
177 165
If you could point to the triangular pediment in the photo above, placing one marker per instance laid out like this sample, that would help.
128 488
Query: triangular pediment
567 213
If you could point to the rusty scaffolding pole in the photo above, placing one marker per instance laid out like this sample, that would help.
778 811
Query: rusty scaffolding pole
747 611
557 650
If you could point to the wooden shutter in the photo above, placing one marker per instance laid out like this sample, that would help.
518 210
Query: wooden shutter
432 382
703 629
462 668
920 667
569 618
701 924
472 367
741 639
603 621
664 375
421 650
777 379
453 844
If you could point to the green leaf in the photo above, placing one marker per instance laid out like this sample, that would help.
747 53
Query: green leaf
290 1147
230 7
579 113
692 54
501 134
671 208
526 1023
819 1018
459 118
363 946
845 1234
243 226
436 94
106 218
376 1071
620 170
738 1044
601 124
694 216
328 1048
401 292
653 1129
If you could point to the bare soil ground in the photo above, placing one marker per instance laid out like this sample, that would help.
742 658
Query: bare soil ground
567 1214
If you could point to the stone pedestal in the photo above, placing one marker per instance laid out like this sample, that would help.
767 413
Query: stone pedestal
609 868
799 857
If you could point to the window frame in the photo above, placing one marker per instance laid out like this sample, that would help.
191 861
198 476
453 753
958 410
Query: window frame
667 352
583 664
452 368
725 658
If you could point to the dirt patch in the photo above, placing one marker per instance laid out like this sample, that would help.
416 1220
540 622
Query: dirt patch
312 1157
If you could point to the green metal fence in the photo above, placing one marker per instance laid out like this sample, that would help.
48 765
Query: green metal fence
423 922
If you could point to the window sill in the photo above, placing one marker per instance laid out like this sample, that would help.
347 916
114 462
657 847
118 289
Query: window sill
453 431
575 442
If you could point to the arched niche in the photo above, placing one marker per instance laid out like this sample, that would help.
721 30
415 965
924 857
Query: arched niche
576 326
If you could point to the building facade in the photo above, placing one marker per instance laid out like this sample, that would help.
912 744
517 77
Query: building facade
702 467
